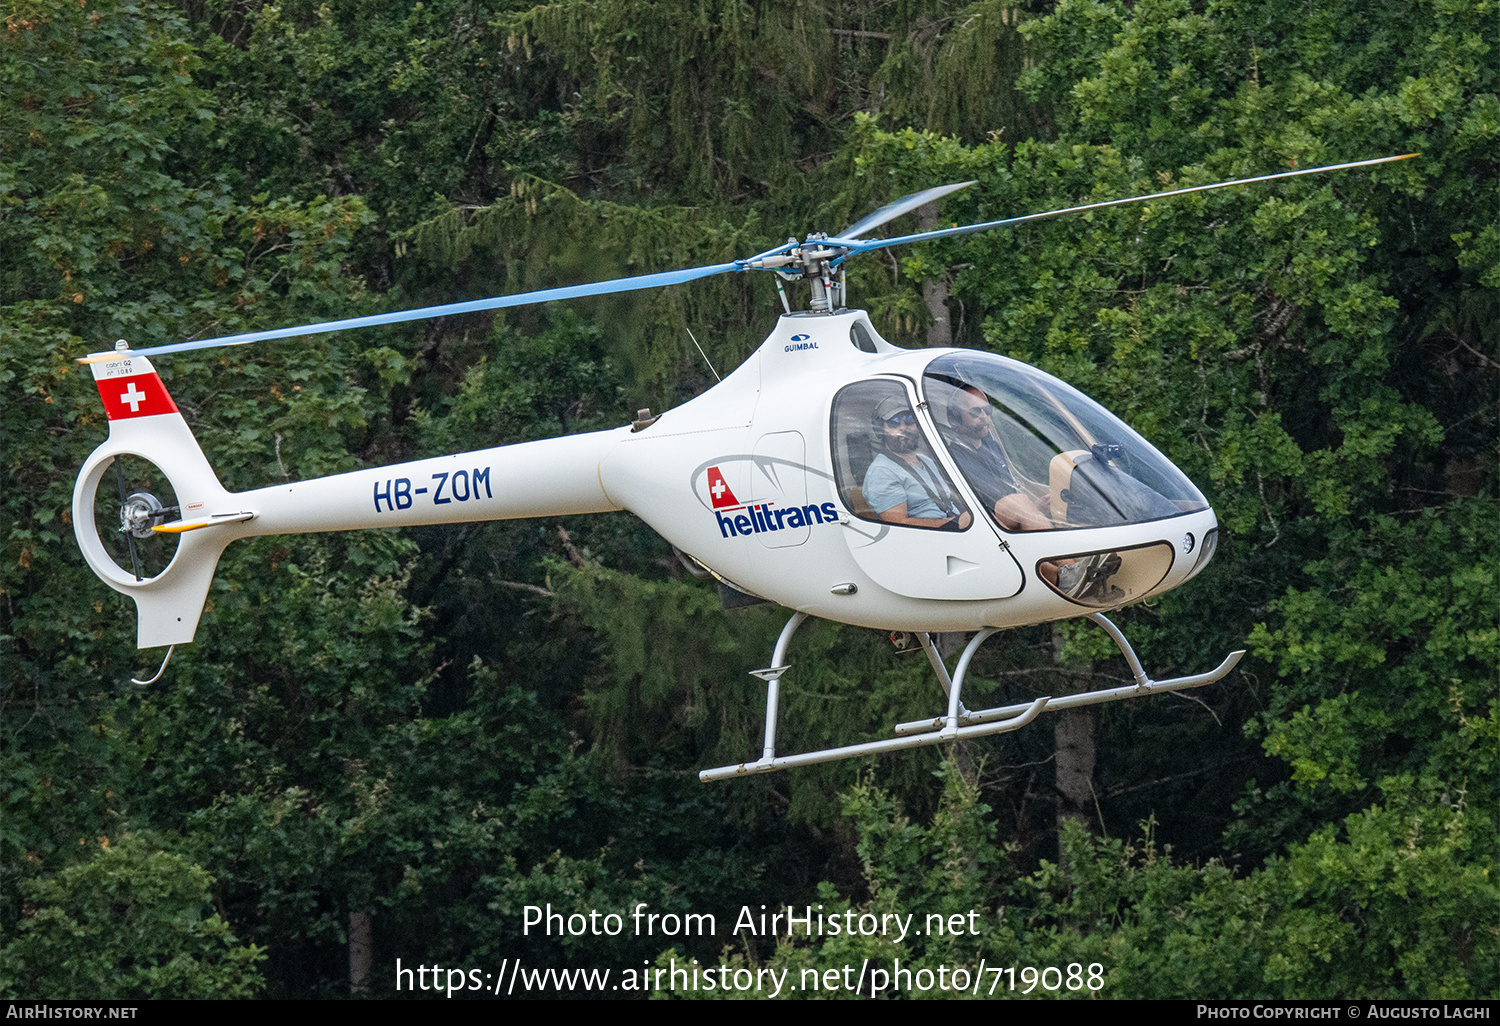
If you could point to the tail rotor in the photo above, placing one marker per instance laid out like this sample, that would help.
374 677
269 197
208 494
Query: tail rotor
137 512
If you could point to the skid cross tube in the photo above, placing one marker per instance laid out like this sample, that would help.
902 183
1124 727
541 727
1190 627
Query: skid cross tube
1143 685
955 706
938 667
769 761
772 677
959 723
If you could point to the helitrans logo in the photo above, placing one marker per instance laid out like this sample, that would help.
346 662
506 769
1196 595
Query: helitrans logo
741 518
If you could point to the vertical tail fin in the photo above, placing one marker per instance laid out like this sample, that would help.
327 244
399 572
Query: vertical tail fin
144 422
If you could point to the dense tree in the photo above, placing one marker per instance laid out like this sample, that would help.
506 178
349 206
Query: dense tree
419 734
129 922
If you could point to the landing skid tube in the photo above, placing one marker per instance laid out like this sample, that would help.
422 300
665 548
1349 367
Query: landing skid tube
959 723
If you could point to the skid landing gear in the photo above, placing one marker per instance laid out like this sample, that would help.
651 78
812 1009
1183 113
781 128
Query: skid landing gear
959 722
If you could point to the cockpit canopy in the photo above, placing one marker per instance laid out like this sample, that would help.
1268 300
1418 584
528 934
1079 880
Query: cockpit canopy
1027 442
1038 454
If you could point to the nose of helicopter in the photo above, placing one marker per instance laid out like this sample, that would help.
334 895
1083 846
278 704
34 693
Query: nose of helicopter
1206 549
1104 578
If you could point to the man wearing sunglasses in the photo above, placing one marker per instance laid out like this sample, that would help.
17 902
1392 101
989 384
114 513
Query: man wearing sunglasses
982 462
905 485
978 455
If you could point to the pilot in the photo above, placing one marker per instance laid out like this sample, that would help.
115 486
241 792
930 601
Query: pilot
978 455
903 485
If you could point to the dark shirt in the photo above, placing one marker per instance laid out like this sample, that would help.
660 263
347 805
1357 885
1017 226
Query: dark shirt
987 469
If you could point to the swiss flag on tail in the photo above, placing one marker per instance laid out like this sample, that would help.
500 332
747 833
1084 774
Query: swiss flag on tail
130 387
718 490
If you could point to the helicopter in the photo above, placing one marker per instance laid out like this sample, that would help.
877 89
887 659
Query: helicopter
832 473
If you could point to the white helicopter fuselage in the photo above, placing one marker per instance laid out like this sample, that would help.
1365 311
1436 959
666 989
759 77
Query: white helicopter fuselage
832 473
766 428
741 478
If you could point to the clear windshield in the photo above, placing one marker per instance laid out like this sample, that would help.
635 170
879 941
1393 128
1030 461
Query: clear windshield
1041 455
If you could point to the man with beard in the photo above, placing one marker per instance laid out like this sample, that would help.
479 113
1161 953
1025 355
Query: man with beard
904 486
978 455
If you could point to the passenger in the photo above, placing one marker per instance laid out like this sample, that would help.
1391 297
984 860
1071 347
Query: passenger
903 485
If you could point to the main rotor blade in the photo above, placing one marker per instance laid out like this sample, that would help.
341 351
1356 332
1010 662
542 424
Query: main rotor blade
644 281
860 246
894 210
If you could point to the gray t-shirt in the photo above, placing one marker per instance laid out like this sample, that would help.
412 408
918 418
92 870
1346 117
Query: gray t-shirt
889 483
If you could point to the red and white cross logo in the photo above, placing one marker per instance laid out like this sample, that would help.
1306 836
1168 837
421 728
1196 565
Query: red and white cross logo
718 490
144 395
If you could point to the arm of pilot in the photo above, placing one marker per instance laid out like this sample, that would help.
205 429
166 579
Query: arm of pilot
1012 510
897 515
1016 512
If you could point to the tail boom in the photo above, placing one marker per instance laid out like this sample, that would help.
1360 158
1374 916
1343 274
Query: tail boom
551 477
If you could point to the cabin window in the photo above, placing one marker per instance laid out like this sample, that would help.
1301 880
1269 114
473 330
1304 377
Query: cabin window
1040 455
885 465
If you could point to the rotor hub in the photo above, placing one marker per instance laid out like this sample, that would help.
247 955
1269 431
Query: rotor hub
813 261
140 512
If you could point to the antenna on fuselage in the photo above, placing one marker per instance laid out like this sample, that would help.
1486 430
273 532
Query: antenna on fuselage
703 354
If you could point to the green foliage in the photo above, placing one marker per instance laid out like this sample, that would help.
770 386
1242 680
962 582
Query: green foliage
1396 640
735 101
1398 900
131 921
949 868
441 727
707 136
1404 902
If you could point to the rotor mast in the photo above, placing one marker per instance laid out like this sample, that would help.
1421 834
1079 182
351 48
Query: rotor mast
815 261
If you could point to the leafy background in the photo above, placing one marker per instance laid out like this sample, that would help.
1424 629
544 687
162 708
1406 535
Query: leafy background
409 736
